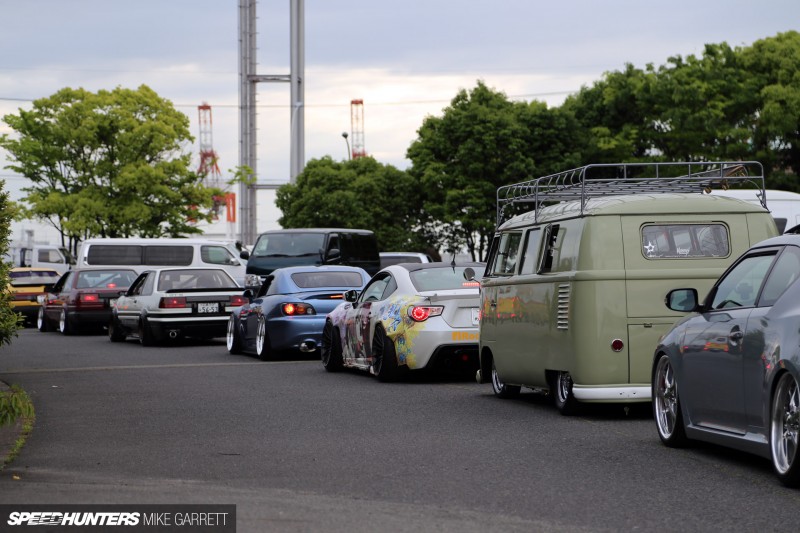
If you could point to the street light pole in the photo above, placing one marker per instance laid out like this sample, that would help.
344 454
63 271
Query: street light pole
349 153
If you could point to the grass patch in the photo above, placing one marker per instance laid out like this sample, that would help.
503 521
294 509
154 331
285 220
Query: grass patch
16 407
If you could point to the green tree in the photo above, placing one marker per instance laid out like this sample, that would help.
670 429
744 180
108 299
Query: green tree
10 322
481 142
361 193
108 164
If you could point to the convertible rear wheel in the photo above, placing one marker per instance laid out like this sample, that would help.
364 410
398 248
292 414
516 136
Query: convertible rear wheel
384 356
262 340
232 339
502 390
331 348
784 430
666 405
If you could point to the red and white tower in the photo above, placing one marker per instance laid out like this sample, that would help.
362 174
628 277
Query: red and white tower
357 128
209 168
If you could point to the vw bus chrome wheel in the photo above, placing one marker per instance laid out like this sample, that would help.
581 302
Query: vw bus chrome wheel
500 389
561 388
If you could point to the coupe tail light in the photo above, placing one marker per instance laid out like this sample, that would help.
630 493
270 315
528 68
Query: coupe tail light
297 309
238 301
421 313
172 302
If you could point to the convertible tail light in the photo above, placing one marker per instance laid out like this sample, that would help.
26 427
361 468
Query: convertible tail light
238 300
172 302
421 313
297 309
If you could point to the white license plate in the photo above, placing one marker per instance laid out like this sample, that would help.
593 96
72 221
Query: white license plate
208 307
476 315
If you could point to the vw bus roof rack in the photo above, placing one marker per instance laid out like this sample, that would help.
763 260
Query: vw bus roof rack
614 179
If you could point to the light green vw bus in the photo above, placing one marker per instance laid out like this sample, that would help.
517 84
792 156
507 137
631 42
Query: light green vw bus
573 297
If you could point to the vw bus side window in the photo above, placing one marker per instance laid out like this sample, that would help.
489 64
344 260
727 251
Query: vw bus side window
505 261
533 240
550 239
685 241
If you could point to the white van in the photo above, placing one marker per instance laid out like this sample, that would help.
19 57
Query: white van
39 256
783 205
140 254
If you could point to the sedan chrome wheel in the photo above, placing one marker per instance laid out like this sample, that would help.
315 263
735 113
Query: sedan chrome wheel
666 408
63 323
784 429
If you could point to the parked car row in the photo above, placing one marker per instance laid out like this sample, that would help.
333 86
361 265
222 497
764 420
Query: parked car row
571 302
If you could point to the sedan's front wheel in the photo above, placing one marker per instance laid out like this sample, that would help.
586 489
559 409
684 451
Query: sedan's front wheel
115 333
666 405
784 430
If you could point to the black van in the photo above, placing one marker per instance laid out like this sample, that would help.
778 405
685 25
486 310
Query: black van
312 246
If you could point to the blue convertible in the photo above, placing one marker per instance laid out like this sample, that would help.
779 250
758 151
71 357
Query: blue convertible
288 312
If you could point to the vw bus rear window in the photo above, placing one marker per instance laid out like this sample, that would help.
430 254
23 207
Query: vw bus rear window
685 241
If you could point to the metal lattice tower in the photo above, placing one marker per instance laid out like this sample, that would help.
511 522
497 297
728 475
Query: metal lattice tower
357 128
208 157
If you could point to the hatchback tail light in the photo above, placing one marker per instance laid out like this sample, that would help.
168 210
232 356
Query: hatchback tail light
172 302
421 313
292 309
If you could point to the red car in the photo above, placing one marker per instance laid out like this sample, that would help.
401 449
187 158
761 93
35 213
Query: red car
83 299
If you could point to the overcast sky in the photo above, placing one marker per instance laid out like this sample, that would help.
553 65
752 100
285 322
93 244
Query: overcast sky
406 60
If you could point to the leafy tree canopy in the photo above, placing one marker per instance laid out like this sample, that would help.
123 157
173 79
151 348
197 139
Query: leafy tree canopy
108 164
361 193
10 322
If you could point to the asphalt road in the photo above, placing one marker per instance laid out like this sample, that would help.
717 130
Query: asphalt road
299 449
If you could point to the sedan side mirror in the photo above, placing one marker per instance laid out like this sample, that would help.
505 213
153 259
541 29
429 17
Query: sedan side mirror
682 300
351 296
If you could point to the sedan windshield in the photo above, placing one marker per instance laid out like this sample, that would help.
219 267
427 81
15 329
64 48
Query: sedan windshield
195 278
26 277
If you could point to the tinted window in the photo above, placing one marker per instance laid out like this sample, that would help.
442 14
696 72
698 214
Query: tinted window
682 241
289 244
50 256
168 255
739 288
783 274
358 247
444 278
387 260
114 254
310 280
